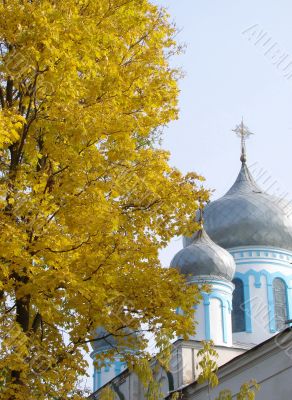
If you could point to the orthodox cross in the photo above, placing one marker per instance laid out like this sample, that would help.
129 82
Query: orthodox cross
243 133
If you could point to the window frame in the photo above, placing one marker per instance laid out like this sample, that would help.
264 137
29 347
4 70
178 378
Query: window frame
238 314
279 322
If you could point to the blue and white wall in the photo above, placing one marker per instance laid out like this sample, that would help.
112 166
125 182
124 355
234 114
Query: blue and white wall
213 314
257 268
102 376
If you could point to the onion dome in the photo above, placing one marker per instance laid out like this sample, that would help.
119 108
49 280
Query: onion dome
204 258
247 216
105 341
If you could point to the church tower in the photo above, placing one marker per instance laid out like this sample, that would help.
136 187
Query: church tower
243 253
256 229
204 262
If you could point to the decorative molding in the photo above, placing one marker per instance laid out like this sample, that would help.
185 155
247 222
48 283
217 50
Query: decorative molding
267 262
210 281
226 307
262 255
259 251
98 376
225 304
119 365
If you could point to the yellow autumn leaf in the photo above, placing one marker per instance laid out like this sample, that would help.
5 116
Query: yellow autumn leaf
91 196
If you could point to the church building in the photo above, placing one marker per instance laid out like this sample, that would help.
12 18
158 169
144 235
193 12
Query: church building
243 251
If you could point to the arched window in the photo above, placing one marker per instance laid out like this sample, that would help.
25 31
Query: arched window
280 303
238 307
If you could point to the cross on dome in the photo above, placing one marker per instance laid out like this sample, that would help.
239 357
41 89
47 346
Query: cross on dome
243 133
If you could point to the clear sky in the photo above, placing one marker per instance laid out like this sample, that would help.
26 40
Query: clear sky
229 76
237 55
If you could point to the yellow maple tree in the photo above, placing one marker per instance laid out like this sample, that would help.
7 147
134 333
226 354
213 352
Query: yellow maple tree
87 198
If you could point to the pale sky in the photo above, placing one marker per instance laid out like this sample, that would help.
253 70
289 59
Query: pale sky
229 76
237 56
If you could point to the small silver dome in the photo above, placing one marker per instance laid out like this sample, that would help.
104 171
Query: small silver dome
105 342
247 216
203 257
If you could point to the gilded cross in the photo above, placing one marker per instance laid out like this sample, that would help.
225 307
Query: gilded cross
243 133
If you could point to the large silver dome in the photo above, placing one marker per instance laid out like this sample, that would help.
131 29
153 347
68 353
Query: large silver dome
247 216
203 257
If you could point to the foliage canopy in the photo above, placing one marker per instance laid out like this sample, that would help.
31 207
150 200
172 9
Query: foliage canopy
86 198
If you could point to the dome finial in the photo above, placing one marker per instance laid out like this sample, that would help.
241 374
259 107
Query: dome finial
242 131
